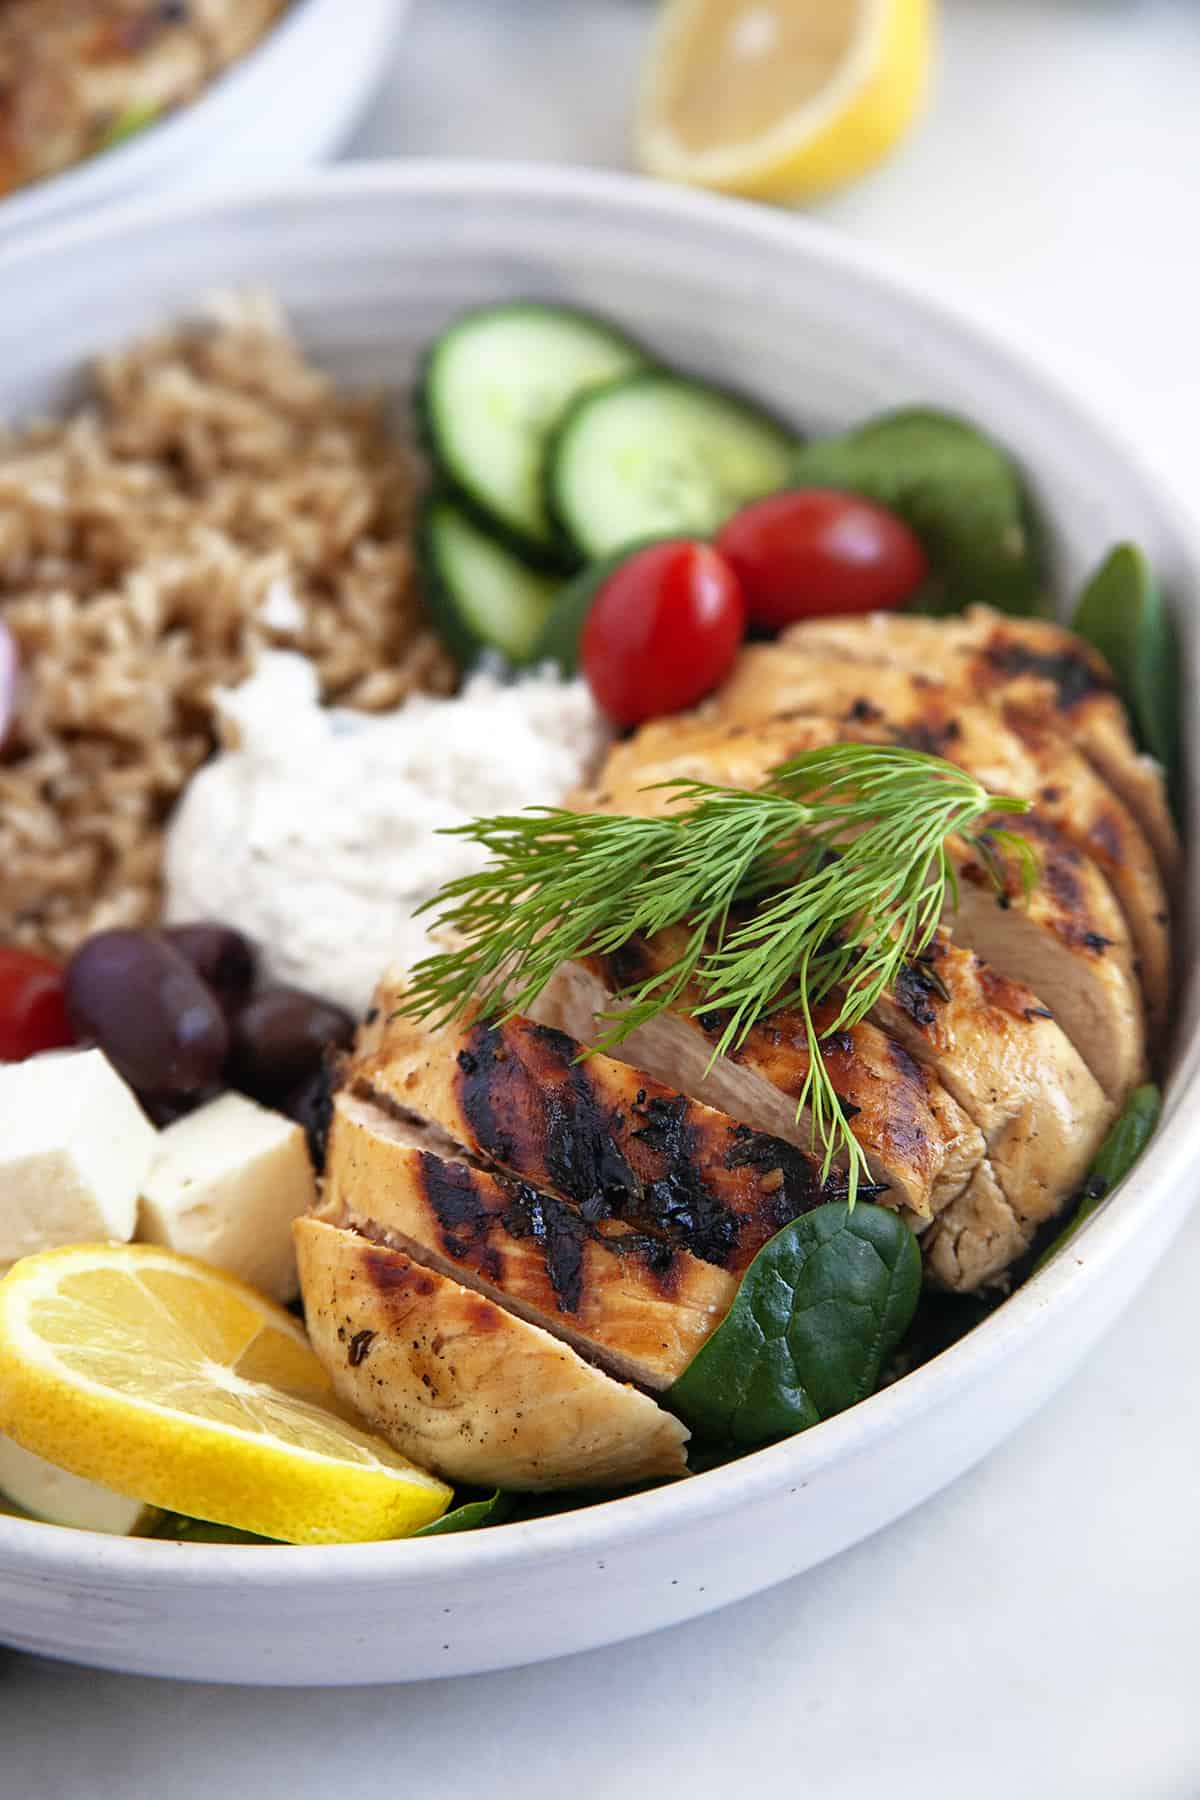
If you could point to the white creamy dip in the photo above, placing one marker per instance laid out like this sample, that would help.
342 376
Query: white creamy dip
315 831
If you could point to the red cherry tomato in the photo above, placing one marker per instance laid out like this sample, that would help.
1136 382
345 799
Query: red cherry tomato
815 551
662 631
33 1015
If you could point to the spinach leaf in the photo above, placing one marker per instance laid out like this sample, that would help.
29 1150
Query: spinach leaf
493 1509
185 1530
818 1313
960 492
1116 1156
489 1509
1121 611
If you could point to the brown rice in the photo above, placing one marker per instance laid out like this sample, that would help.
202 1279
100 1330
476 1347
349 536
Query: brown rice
215 496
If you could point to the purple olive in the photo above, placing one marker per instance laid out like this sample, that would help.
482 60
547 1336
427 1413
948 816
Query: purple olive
280 1038
311 1105
140 1000
223 958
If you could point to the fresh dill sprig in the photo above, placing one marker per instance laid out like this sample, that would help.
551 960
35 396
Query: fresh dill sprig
837 867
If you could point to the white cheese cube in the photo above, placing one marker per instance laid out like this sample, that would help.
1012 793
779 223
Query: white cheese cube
225 1186
50 1493
74 1150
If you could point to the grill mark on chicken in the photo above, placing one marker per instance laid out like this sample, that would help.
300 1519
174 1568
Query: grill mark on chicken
395 1276
560 1240
984 656
478 1087
1069 672
917 1142
1068 941
560 1233
635 1306
918 993
612 1141
1008 743
674 1200
931 739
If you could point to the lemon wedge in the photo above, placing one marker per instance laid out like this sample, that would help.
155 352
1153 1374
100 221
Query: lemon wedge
780 99
169 1381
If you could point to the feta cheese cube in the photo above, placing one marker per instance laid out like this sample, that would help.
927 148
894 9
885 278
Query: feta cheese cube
225 1186
50 1493
74 1150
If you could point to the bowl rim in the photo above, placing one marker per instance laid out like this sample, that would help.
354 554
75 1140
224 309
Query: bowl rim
63 1552
37 205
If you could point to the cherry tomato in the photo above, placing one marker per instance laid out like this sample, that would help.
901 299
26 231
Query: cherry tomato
815 551
662 631
33 1013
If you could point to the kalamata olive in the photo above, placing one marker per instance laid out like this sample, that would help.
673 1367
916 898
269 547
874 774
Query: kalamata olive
142 1002
222 957
311 1105
279 1039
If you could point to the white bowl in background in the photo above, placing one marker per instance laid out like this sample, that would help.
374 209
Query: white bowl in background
371 261
291 100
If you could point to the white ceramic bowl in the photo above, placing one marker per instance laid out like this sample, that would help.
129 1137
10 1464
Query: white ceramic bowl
371 261
290 101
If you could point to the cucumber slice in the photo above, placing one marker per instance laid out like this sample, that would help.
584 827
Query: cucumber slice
655 455
481 595
961 493
495 384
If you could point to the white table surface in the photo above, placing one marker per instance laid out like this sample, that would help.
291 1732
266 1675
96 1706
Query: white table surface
1035 1631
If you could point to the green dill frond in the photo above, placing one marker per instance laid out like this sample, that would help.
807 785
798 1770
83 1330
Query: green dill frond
840 858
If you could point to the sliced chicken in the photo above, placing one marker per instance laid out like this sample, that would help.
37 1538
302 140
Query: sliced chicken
636 1305
997 1050
1068 941
920 1146
592 1130
985 1040
463 1386
975 1241
1033 663
1006 747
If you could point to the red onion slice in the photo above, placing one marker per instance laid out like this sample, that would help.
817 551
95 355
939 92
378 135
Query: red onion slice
9 673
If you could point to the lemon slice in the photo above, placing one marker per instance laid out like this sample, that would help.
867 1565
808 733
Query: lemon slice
171 1382
780 99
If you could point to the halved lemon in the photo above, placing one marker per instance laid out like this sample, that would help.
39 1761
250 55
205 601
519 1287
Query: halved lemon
780 99
172 1382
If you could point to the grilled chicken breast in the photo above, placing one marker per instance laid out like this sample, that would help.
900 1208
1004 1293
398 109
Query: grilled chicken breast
464 1387
594 1131
1034 1113
921 1148
1008 748
978 1237
638 1306
1068 941
998 1051
1033 663
73 72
